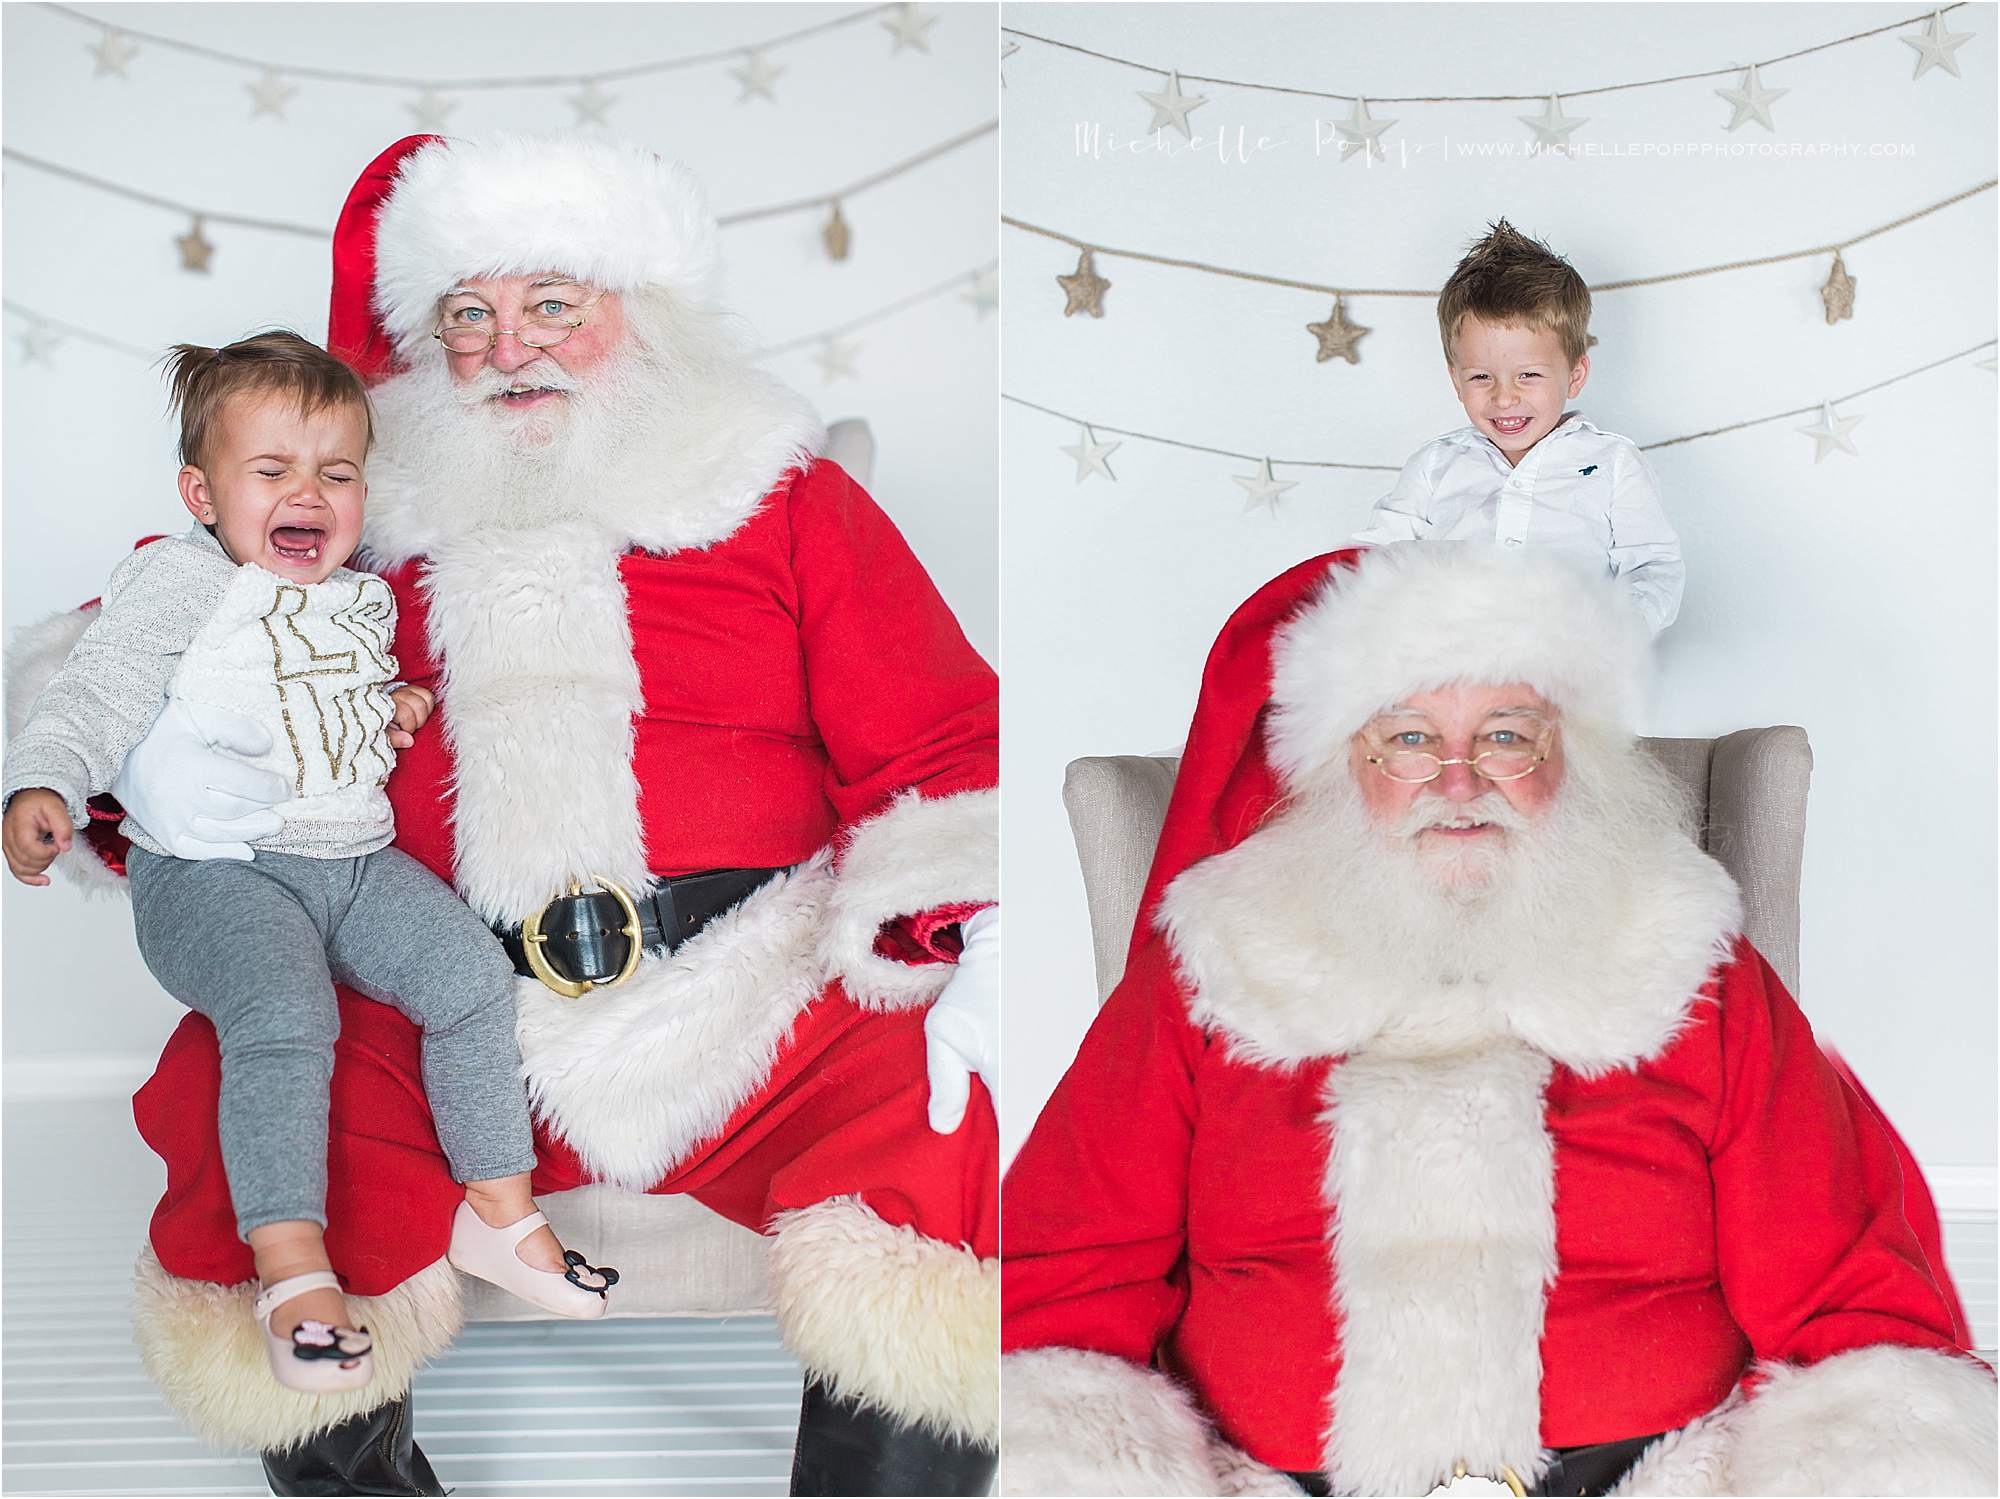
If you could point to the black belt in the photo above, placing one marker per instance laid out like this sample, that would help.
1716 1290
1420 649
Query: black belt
1575 1470
584 933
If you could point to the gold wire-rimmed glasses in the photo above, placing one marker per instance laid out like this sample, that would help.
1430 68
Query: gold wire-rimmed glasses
1413 767
535 333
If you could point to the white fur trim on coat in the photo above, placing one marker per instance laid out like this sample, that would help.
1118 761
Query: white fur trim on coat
608 212
1417 616
1441 1178
1078 1422
1878 1420
541 692
881 1314
916 855
35 653
1262 963
205 1351
635 1077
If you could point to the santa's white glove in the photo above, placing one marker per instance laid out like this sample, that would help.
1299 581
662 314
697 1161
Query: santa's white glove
962 1031
188 790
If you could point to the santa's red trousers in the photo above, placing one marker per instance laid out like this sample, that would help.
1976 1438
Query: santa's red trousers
843 1112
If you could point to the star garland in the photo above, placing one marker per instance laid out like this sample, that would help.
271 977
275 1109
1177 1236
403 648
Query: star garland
1831 433
1083 289
836 354
1361 134
196 250
1092 456
116 47
979 289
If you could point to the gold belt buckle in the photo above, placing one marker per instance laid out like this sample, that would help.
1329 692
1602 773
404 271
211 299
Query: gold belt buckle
1506 1475
534 939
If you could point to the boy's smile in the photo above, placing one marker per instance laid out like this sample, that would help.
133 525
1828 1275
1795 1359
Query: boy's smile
1513 381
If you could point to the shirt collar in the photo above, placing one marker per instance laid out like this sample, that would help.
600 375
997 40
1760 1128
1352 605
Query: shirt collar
198 535
1472 437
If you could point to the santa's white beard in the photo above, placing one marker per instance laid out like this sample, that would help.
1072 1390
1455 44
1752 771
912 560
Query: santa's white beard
1502 905
462 461
469 462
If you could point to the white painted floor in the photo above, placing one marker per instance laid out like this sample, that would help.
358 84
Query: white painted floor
641 1406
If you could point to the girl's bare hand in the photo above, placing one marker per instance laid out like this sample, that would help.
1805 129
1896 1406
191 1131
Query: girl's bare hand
413 706
36 829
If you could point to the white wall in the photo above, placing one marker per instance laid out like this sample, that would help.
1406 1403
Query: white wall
89 455
1855 597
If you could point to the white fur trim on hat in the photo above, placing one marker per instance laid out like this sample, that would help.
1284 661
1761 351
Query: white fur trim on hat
610 213
1414 617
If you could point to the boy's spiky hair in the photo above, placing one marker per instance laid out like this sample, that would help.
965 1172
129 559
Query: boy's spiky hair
201 380
1511 279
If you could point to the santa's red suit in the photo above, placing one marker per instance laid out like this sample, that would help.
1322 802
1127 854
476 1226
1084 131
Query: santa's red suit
746 668
1287 1213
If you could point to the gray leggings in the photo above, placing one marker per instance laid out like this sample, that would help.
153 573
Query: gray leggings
256 948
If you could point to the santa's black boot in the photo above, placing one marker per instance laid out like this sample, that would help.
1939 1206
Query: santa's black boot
847 1449
372 1453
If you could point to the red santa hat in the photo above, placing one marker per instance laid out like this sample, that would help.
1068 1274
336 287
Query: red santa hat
429 213
1321 649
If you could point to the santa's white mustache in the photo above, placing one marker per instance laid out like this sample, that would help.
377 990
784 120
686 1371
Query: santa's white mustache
1433 811
540 374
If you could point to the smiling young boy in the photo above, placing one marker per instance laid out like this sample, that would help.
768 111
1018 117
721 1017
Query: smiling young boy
1515 318
251 611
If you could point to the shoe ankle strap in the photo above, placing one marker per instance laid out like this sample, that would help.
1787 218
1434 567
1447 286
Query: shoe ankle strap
273 1296
520 1230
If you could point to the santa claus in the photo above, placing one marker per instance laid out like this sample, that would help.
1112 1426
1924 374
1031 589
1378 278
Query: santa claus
689 677
1444 1122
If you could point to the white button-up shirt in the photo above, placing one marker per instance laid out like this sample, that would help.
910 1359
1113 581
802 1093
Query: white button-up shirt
1583 491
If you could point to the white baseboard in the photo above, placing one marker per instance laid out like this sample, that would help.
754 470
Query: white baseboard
55 1078
1964 1191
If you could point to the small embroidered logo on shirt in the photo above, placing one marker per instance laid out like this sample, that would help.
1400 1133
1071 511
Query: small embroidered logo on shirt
1591 470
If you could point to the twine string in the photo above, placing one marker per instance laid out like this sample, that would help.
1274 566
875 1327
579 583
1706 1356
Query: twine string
467 85
877 315
1392 468
741 216
1731 71
1260 278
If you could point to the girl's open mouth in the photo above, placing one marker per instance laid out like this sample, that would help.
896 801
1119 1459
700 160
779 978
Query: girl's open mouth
1511 425
298 545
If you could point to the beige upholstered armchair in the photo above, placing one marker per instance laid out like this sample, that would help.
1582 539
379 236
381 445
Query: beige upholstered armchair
1749 789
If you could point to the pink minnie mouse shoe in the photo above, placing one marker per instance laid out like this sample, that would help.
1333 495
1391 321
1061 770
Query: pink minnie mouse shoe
579 1291
318 1359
